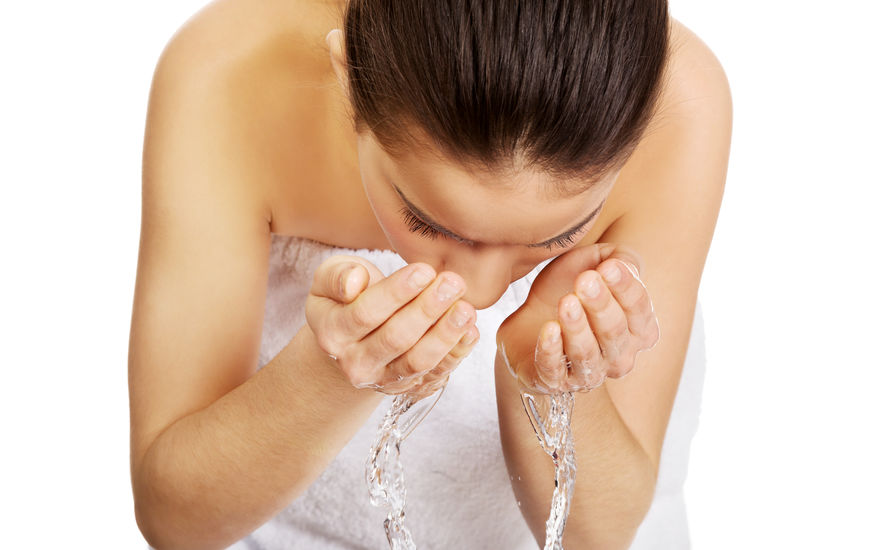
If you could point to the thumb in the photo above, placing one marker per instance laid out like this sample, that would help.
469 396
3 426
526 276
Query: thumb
342 278
352 280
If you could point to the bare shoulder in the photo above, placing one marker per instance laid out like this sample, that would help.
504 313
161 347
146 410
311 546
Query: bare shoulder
696 81
264 67
224 30
695 106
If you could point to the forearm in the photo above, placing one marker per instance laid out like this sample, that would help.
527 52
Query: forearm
615 478
219 473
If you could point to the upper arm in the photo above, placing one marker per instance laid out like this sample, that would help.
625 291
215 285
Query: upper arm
203 253
682 175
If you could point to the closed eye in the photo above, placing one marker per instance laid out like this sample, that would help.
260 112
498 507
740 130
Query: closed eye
416 225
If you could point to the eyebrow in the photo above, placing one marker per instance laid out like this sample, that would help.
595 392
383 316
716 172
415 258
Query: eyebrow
550 242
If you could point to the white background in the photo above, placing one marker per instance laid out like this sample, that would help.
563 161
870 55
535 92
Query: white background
782 453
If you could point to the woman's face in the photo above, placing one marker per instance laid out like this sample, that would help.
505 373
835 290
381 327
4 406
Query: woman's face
489 231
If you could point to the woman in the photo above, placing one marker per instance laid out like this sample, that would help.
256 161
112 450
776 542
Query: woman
437 178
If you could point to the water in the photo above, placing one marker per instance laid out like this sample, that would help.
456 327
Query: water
553 429
384 475
550 416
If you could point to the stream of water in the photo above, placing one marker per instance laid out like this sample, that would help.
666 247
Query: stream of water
550 416
384 475
554 432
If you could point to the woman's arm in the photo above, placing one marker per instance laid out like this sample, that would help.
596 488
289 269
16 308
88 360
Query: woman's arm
216 448
619 427
216 475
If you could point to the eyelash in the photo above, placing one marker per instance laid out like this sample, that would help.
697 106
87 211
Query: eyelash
416 225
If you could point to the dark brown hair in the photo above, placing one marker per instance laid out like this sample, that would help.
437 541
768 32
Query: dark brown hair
567 87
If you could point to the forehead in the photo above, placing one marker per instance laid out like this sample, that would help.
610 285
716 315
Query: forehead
428 166
485 207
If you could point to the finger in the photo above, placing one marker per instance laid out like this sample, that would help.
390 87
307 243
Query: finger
631 293
438 377
607 320
405 328
379 302
336 274
550 368
623 253
588 370
334 286
466 344
441 338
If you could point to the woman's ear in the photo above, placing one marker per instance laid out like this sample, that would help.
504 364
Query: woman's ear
336 44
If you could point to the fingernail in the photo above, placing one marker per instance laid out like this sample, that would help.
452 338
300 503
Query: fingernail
590 288
349 279
573 311
552 336
611 273
447 290
421 277
459 317
468 338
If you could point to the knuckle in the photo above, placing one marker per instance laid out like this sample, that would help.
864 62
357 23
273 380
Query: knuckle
576 350
623 364
392 340
453 358
621 372
327 342
614 330
636 298
438 371
358 376
355 363
416 364
447 335
432 309
358 316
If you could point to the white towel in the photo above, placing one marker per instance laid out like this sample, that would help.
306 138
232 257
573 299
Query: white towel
459 495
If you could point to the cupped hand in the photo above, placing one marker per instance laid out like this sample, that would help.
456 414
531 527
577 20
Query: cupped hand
562 339
404 333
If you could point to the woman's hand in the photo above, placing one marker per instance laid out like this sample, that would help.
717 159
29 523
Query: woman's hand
561 339
403 333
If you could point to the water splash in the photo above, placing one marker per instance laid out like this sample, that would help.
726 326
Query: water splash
384 474
553 429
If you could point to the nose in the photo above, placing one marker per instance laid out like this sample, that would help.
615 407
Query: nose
487 275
